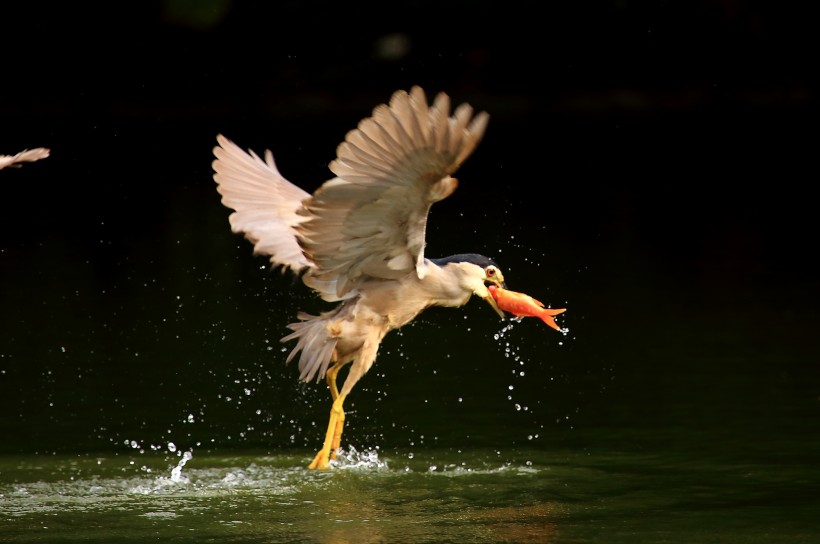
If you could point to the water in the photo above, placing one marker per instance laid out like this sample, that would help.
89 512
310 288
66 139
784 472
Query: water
535 495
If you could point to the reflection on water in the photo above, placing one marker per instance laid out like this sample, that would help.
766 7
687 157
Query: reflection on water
440 496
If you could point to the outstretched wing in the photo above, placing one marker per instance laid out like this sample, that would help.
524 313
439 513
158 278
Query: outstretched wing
265 203
370 220
27 155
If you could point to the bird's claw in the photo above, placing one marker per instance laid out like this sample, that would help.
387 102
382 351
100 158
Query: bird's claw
320 462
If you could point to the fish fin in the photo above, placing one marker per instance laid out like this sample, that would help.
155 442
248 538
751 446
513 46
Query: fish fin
547 317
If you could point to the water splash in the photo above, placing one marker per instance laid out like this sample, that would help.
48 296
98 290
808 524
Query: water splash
508 326
511 351
351 458
176 472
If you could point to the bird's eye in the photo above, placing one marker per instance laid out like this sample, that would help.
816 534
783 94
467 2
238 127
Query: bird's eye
490 271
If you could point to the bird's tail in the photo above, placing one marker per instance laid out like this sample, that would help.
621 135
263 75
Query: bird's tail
315 344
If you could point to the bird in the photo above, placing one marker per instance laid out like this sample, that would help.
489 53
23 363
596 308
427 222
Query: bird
359 239
26 155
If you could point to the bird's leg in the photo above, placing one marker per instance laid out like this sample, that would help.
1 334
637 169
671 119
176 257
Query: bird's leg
322 458
330 377
340 417
333 436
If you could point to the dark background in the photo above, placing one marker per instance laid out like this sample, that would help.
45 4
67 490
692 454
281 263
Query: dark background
648 165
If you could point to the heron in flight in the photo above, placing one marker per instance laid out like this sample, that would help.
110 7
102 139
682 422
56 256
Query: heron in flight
27 155
359 239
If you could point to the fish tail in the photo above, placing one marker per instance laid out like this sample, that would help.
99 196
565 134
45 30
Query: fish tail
547 314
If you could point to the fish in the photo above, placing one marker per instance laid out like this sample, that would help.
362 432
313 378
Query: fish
523 305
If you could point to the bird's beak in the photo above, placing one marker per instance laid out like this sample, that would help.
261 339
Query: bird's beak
498 280
491 301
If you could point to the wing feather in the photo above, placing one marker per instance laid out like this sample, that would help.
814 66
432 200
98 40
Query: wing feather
27 155
266 204
370 220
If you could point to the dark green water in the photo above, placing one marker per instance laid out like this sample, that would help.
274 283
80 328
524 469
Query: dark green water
509 495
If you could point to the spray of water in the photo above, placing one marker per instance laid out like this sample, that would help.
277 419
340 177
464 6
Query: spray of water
349 458
512 351
176 472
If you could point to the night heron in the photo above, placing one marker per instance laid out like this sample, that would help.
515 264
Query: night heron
359 238
27 155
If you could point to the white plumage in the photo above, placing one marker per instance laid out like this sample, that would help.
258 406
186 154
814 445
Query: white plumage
359 238
27 155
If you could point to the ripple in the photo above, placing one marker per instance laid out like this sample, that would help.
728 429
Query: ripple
163 487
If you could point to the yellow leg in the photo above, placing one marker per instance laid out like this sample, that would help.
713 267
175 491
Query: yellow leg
340 417
333 436
337 432
330 377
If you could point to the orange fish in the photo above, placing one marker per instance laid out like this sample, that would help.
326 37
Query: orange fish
521 305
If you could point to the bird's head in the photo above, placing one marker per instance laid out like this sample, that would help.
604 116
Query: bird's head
492 276
476 273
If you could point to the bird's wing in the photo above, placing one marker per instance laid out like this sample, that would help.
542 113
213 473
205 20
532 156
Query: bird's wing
27 155
369 221
265 203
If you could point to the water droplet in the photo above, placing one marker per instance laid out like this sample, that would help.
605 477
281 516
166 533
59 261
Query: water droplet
176 472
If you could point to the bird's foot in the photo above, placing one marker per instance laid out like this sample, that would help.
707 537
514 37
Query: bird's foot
321 461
